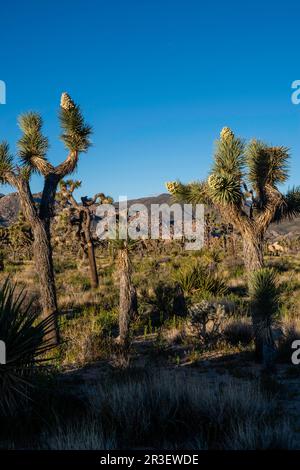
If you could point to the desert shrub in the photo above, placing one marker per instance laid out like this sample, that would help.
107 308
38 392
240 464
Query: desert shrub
238 332
207 319
27 340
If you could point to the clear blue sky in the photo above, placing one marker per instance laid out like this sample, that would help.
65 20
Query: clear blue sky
157 79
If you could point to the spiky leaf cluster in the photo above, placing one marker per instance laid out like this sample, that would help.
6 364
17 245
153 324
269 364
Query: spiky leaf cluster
225 189
76 133
229 156
266 166
33 145
290 206
26 343
195 192
6 161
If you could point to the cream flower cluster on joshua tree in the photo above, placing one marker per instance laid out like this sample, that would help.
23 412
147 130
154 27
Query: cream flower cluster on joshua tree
172 186
226 133
66 102
214 181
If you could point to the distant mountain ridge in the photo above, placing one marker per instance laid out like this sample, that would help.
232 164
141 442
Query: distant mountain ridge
10 206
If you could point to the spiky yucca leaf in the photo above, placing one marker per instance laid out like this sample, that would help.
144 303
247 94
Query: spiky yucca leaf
6 161
266 165
290 207
33 145
76 133
26 344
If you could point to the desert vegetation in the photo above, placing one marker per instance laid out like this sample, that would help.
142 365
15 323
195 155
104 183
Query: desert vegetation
155 346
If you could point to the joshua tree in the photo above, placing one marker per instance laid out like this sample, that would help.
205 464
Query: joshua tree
243 187
83 221
128 297
32 149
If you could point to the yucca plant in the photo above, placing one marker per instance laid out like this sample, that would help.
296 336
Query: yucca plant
27 340
265 297
198 278
243 188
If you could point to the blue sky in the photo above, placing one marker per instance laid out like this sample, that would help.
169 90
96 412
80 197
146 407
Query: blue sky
157 79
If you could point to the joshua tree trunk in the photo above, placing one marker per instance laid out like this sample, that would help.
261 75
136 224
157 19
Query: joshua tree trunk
92 264
127 297
44 267
40 225
253 251
90 248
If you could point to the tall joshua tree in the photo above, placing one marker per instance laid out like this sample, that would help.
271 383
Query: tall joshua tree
83 221
32 150
128 296
243 187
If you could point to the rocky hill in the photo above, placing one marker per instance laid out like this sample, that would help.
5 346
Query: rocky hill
10 205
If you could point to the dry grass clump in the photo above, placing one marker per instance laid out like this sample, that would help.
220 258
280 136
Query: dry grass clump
80 435
238 332
86 338
81 340
167 411
173 334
